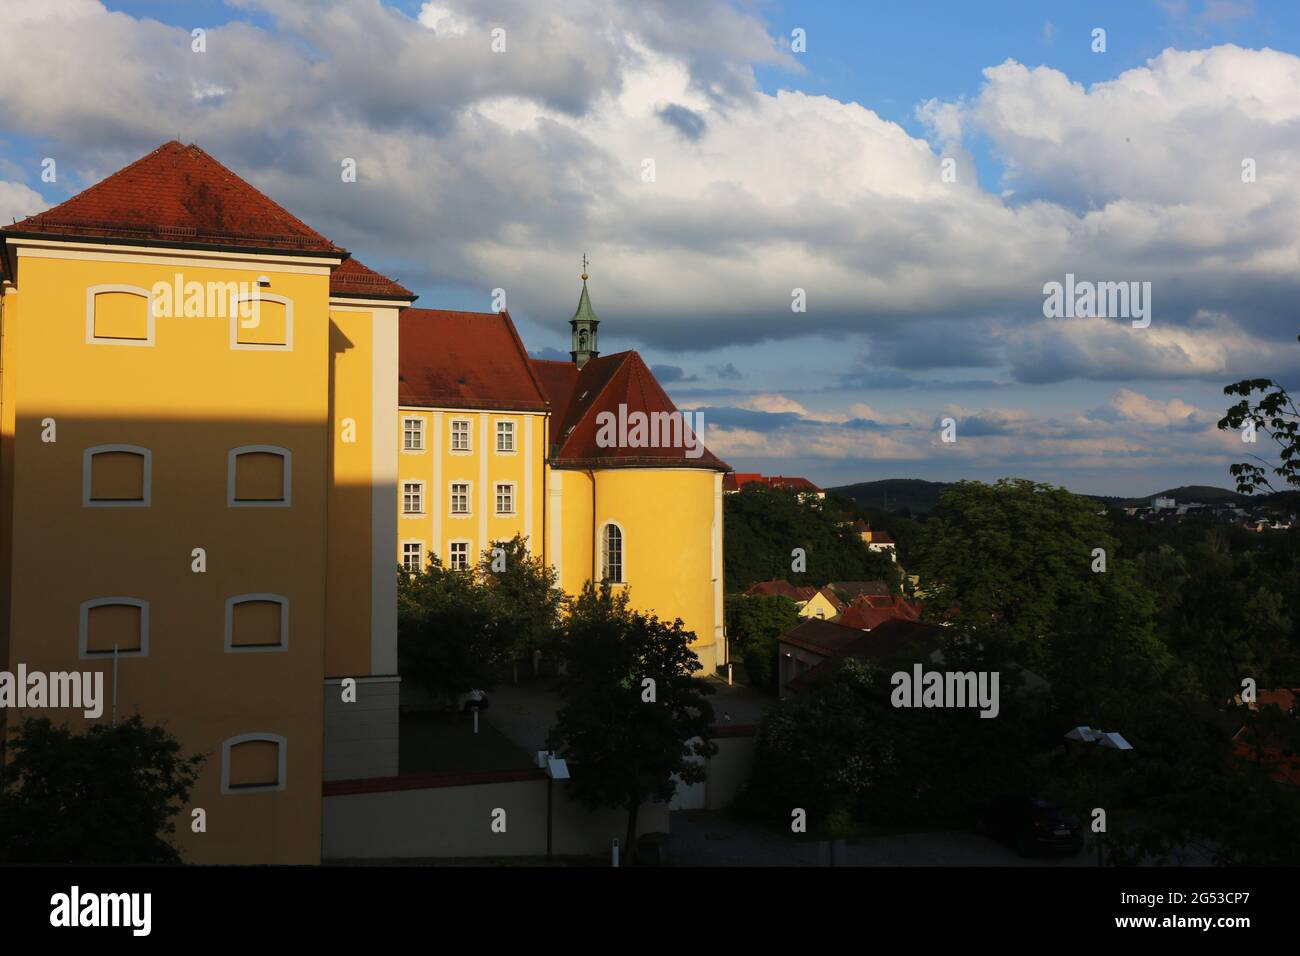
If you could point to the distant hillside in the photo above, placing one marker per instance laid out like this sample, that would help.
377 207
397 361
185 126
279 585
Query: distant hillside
895 494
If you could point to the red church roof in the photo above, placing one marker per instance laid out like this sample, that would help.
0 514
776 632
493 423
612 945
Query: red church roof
177 195
464 360
557 380
602 385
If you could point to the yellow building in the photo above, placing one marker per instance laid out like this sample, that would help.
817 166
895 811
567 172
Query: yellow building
198 468
495 443
216 432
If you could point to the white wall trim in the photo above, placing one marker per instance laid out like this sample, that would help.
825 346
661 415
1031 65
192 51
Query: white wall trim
83 638
282 752
87 471
483 480
385 439
280 599
111 252
555 513
94 290
529 467
284 453
236 323
437 508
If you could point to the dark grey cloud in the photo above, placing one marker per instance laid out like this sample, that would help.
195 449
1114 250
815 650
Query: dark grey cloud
672 373
686 121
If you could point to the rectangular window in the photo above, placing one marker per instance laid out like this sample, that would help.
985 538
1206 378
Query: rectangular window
459 435
460 498
505 499
413 434
460 555
413 497
412 555
505 436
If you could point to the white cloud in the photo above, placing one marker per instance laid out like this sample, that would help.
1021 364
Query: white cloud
18 202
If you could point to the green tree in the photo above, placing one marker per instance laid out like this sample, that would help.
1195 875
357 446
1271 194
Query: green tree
753 625
451 634
458 630
1016 566
629 741
765 525
1275 414
104 796
527 594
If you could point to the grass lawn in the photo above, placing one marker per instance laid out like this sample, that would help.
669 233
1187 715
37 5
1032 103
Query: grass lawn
435 742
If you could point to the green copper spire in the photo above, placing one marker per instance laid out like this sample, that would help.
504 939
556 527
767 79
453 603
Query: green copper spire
584 324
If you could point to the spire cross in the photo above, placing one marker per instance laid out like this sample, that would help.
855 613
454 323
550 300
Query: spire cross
584 265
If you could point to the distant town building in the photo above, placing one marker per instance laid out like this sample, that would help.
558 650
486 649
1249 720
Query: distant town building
733 481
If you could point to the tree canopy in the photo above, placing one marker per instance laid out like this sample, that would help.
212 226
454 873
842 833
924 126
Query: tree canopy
633 721
764 525
107 795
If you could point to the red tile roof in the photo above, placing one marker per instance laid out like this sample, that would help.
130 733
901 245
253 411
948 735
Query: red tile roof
177 195
602 385
855 589
880 537
783 589
888 642
867 612
821 637
464 360
734 481
557 380
352 279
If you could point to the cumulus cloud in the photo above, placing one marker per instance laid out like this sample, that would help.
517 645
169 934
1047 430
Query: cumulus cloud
479 170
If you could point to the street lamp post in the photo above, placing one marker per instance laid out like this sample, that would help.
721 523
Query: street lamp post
556 769
1109 739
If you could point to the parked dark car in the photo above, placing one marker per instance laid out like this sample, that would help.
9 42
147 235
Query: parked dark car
1030 824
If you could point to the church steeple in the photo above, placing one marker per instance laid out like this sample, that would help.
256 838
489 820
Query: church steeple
584 324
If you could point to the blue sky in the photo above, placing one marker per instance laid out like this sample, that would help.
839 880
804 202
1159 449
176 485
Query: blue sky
776 170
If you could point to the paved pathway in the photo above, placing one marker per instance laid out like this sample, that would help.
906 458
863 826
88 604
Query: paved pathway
710 838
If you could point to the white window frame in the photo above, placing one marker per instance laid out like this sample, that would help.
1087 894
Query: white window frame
284 453
422 509
282 752
419 545
259 346
280 599
87 470
418 430
93 339
451 498
83 637
451 554
622 552
469 436
512 431
514 498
